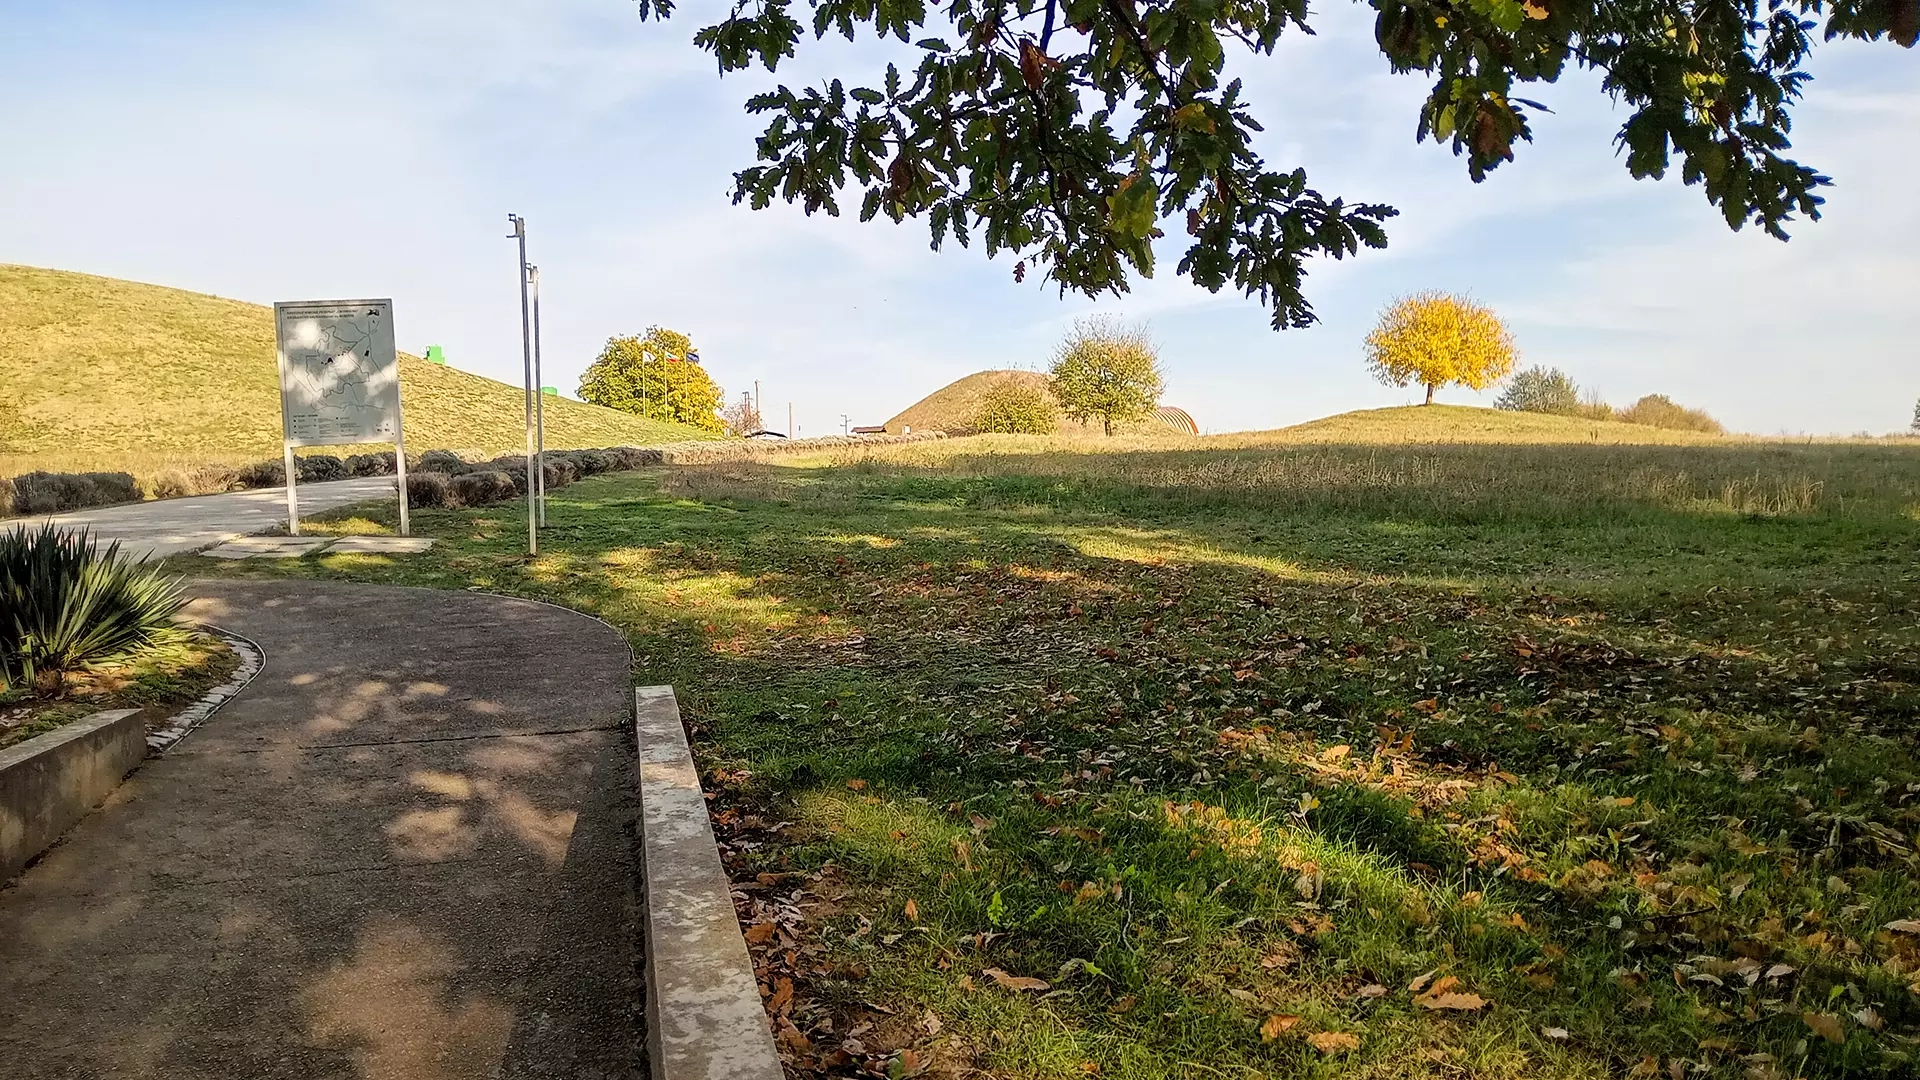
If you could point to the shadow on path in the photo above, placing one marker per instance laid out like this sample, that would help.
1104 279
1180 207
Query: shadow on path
404 852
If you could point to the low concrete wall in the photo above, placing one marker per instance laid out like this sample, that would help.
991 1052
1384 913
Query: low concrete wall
704 1017
49 783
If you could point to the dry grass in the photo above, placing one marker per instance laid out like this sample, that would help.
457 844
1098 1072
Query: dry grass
115 375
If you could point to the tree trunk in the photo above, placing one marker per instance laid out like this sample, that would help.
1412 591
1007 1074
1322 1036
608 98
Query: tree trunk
1106 422
1429 393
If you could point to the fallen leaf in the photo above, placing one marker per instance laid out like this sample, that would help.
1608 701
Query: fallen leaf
759 933
1238 994
1904 926
1458 1002
1371 990
782 997
1554 1033
931 1022
857 785
1825 1025
1277 1025
1333 1042
1420 982
913 911
1870 1019
1779 970
1015 982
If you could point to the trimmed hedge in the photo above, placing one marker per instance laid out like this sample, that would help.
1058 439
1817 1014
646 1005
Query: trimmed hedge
320 468
263 474
6 495
483 487
558 473
443 461
370 464
199 480
52 492
429 489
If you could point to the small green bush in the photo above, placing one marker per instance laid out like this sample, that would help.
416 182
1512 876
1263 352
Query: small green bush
320 468
198 480
1541 390
1017 408
65 603
53 493
442 461
370 465
6 496
262 474
429 489
483 487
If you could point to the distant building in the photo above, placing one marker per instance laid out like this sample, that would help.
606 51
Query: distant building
872 429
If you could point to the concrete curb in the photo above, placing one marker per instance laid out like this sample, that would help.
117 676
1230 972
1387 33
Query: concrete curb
51 781
184 721
704 1017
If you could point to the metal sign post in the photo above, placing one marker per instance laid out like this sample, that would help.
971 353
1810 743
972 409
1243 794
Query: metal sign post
339 384
526 356
539 400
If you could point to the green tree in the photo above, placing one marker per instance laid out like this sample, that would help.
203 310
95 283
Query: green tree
1432 339
651 376
1541 390
1107 369
1017 407
1066 131
1915 426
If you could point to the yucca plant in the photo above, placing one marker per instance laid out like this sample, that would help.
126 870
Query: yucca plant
65 603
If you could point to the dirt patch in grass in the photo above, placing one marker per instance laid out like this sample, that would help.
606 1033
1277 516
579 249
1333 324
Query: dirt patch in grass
159 680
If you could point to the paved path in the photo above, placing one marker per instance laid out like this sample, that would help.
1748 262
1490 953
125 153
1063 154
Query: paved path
166 527
405 852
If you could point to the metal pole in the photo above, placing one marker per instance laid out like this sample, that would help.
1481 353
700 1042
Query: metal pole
526 356
400 467
540 400
789 419
293 503
756 403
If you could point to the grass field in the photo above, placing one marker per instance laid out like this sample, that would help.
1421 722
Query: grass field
97 373
159 679
1558 756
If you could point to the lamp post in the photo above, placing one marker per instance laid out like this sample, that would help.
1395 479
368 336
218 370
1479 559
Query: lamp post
526 356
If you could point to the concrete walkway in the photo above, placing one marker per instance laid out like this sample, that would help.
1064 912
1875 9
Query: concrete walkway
405 852
163 527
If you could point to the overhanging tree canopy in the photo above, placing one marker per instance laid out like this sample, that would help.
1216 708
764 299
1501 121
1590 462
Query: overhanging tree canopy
1066 131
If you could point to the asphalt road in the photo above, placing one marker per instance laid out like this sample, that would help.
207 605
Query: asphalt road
163 527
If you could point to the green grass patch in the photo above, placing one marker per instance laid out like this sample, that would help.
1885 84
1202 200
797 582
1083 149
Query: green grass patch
159 679
1278 758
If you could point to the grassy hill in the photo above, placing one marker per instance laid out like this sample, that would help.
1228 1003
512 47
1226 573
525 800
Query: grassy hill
101 373
954 406
1462 424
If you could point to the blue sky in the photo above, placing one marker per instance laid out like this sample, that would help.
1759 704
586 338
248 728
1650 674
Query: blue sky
302 150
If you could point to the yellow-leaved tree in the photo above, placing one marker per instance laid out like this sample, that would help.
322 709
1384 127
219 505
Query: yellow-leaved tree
1432 338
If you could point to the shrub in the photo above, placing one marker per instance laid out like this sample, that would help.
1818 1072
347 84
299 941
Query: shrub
198 480
590 462
1661 411
1541 390
429 489
320 468
370 465
483 487
6 496
1017 408
65 603
634 457
263 474
51 492
442 461
558 473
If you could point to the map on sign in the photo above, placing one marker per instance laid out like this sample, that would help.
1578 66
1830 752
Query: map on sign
339 372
